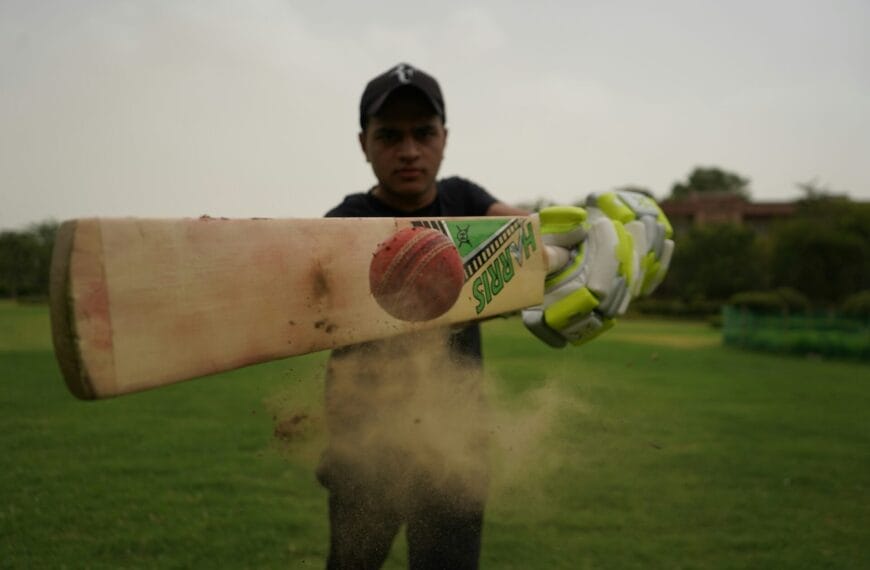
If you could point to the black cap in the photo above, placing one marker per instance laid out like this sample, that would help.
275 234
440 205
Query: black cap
379 88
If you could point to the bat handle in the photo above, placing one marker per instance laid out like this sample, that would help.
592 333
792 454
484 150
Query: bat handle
557 257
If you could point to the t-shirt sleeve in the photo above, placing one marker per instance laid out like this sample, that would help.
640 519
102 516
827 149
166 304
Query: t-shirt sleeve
353 206
465 196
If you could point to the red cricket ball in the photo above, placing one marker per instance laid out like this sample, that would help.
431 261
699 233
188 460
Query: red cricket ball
417 274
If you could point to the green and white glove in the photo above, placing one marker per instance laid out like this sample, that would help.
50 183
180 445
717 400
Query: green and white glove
619 247
648 226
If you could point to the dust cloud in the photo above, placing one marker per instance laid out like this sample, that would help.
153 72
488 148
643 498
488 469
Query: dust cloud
408 408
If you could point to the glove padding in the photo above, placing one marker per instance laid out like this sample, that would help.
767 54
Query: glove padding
619 248
648 226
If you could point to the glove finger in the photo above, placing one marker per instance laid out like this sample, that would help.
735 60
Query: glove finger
573 281
559 314
563 226
610 253
557 258
640 204
639 232
656 274
612 206
588 329
655 234
533 319
626 206
617 300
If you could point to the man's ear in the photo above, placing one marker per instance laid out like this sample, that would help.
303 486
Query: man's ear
363 145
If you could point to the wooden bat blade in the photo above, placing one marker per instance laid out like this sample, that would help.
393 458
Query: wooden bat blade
141 303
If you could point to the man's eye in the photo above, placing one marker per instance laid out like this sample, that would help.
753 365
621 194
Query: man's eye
424 133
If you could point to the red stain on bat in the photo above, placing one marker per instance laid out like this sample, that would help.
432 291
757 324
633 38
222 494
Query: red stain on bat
94 307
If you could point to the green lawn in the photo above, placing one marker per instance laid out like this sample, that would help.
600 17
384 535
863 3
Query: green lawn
652 447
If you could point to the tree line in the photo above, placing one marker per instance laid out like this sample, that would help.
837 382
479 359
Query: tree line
25 260
817 259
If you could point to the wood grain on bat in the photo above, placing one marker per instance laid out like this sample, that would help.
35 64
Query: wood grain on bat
139 303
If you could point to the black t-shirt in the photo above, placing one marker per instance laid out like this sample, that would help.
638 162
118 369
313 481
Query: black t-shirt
455 197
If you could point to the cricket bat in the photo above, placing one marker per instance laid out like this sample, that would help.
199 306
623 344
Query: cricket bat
142 303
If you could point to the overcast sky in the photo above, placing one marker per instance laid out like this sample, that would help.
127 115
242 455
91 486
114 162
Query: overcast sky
249 108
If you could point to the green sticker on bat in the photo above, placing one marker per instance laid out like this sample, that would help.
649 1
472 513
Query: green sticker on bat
491 251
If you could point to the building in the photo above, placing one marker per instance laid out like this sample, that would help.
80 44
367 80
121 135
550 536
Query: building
700 209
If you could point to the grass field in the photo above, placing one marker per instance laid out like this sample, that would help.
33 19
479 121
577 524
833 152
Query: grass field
653 447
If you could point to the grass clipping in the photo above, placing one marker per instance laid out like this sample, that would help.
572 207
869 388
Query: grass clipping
409 416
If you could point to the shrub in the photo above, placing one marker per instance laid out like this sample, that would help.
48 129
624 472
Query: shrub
793 300
698 307
857 305
758 301
782 300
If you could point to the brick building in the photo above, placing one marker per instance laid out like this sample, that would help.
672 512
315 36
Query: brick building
699 209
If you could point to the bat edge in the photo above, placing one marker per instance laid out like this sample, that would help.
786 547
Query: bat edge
61 311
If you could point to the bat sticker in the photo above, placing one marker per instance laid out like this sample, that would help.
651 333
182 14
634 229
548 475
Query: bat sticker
489 250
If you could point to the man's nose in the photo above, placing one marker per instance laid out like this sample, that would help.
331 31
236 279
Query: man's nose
409 148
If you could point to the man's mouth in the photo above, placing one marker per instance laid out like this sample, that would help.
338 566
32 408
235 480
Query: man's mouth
409 172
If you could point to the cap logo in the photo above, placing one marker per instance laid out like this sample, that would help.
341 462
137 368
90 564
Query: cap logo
404 72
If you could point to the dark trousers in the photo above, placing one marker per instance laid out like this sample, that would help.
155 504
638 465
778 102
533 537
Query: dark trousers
408 447
443 532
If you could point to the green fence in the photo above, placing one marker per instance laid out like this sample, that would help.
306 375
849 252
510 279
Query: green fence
825 334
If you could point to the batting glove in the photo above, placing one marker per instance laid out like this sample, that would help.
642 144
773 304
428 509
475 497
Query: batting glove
650 229
581 298
619 247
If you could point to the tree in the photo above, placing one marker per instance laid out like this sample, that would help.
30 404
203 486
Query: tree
43 235
18 263
825 251
821 262
714 262
814 191
711 180
25 260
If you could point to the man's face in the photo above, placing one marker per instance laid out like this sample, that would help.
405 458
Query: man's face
405 143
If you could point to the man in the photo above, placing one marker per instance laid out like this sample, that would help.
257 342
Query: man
406 415
403 136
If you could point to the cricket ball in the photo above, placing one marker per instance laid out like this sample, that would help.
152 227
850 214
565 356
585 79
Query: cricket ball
416 274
